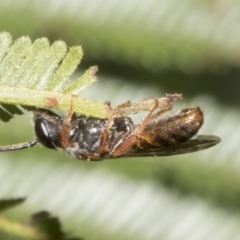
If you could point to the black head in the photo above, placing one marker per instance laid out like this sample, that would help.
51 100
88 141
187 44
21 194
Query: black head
48 127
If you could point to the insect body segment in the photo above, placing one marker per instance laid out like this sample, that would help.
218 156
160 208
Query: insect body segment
172 130
85 137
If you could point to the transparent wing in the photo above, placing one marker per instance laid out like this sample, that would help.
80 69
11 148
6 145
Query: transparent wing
198 143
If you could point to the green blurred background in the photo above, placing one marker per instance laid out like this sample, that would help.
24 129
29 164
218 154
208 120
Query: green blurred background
142 49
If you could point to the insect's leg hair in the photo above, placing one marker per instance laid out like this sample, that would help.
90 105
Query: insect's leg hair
19 146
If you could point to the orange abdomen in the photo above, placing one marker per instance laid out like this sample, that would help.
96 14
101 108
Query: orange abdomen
172 130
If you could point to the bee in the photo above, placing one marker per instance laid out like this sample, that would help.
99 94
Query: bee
89 138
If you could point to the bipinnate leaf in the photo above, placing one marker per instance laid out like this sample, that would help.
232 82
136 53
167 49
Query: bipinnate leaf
39 75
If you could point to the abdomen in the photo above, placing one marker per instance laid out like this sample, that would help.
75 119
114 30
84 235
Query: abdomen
172 130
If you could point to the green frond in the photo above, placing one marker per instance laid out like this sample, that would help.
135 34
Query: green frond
38 75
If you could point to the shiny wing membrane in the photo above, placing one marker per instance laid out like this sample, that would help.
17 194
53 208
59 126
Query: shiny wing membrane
198 143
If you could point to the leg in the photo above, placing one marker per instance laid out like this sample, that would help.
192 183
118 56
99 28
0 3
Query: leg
164 103
105 136
125 144
66 126
155 117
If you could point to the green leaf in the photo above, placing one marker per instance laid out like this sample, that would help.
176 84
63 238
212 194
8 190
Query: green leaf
38 75
49 226
8 203
43 226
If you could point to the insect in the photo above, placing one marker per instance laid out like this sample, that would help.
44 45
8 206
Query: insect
89 138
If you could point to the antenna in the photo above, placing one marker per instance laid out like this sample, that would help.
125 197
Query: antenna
19 146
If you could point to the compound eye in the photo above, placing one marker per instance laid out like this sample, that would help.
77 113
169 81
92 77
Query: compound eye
43 136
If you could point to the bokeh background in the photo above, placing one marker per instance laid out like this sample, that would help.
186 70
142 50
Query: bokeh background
142 48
